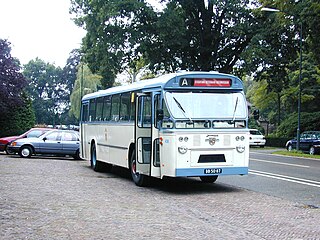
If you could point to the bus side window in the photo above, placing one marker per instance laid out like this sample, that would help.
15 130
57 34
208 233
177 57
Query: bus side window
84 113
125 107
99 109
115 107
106 108
92 110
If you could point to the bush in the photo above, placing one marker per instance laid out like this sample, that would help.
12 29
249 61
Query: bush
276 141
308 122
18 120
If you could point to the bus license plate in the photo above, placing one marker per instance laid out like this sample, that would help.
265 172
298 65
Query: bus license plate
212 170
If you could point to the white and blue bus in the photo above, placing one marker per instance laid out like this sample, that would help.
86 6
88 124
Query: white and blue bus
188 124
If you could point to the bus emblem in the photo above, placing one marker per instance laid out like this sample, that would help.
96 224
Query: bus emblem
212 140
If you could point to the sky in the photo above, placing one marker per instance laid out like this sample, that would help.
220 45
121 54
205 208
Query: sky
39 28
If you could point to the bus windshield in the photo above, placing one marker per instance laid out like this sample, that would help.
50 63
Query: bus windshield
218 107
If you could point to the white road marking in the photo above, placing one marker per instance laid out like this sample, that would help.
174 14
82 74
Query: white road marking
286 178
288 164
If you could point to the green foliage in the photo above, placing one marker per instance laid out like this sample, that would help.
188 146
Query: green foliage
308 122
85 83
15 107
49 88
12 81
276 141
115 30
20 119
192 35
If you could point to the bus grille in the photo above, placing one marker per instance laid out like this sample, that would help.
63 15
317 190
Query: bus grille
212 158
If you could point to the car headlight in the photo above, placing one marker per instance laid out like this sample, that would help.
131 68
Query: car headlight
13 144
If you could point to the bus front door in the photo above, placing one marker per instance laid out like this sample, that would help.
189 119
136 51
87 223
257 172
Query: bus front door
143 130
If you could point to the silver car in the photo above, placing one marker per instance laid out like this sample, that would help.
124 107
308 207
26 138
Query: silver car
55 142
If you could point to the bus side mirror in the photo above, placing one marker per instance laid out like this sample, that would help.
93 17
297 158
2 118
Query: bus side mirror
256 114
159 114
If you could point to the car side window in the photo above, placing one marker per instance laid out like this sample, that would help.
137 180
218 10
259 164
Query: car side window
69 137
35 133
54 136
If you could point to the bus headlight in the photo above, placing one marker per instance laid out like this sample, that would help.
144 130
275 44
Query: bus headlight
182 149
240 148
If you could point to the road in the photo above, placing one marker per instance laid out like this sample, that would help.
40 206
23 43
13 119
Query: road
62 198
291 178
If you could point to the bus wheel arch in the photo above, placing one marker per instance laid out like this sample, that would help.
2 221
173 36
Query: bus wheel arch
139 179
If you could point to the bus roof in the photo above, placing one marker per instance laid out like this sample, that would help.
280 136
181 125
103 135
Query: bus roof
178 81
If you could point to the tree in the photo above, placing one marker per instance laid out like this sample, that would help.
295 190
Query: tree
46 90
114 31
188 34
69 75
17 114
85 83
12 81
273 56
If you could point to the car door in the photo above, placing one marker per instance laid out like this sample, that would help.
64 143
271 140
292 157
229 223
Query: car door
70 143
50 143
304 142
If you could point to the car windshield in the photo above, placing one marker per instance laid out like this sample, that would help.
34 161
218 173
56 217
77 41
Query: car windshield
255 132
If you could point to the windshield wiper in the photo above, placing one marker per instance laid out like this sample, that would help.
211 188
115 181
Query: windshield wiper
235 109
181 108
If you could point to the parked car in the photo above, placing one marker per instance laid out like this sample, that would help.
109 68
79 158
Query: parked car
54 142
309 142
33 132
256 138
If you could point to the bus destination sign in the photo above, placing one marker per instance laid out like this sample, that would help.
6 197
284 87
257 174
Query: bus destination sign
205 82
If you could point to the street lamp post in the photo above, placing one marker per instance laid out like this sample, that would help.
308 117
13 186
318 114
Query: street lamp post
300 75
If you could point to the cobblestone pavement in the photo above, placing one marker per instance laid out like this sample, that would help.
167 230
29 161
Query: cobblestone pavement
60 198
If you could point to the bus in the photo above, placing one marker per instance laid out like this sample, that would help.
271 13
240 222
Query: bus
184 124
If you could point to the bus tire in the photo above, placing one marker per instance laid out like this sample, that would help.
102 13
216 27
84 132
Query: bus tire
95 164
208 179
139 179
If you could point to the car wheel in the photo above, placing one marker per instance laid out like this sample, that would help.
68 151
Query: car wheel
139 179
311 150
289 148
77 155
8 151
208 179
25 151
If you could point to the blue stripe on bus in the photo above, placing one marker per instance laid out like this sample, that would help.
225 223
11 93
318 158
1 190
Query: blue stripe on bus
195 172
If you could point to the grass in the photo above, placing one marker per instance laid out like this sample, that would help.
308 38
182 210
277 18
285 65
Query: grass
296 153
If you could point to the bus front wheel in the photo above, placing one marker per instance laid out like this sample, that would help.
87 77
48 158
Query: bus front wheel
139 179
208 179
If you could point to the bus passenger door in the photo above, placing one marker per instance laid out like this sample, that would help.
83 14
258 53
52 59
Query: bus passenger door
143 133
83 130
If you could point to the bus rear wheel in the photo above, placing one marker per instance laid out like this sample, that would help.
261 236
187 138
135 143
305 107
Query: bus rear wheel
139 179
208 179
96 165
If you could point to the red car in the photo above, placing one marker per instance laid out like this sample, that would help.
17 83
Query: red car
33 132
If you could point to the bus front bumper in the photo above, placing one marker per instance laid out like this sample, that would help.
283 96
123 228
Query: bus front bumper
197 172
